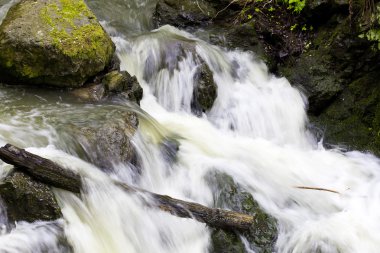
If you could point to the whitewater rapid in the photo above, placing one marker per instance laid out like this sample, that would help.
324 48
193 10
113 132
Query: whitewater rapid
256 132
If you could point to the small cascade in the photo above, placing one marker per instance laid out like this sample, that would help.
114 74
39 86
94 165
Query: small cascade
255 132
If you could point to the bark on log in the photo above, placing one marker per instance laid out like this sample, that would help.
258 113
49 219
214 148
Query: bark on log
52 174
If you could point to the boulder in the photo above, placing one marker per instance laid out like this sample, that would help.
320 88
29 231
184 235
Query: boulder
229 194
27 199
353 119
52 42
183 13
106 142
332 60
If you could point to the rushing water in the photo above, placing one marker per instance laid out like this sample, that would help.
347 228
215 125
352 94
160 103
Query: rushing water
255 132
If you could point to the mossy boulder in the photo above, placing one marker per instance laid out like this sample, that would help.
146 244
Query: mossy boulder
52 42
228 194
27 199
353 119
331 61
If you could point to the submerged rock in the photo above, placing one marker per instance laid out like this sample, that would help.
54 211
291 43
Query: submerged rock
107 142
27 199
183 13
53 42
90 93
262 235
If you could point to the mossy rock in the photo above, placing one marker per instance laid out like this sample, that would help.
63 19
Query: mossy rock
27 199
353 120
52 42
121 81
228 194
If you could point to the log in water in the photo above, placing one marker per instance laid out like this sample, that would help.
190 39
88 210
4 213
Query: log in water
52 174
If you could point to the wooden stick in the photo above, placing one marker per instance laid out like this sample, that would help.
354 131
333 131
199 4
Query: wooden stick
316 189
52 174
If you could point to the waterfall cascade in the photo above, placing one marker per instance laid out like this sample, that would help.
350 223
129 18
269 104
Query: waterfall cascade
256 132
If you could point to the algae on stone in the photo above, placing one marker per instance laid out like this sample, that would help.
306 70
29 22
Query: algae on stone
27 199
353 119
53 42
228 194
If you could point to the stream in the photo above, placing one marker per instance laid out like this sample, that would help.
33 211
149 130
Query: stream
256 132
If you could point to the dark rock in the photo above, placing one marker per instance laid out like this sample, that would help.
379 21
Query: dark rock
226 242
205 91
335 57
174 51
53 42
27 199
242 37
230 195
353 119
183 13
312 74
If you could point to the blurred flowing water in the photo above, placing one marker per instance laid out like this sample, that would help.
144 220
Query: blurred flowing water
256 132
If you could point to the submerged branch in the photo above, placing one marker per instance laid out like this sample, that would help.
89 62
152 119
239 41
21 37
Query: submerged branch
52 174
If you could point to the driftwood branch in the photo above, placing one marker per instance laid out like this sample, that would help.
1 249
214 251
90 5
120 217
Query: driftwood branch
52 174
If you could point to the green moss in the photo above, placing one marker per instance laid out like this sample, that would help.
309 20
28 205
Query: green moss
354 119
69 33
29 72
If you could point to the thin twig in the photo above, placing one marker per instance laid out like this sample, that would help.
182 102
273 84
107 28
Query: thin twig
201 8
316 189
225 8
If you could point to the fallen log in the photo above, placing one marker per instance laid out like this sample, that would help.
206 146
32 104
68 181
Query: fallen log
52 174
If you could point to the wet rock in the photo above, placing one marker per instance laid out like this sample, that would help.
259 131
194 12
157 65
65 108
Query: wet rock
226 242
353 119
27 199
117 81
183 13
230 195
242 37
53 42
108 142
312 74
335 57
112 84
90 93
173 52
205 91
